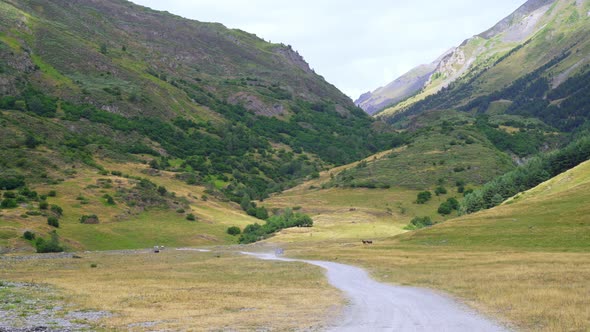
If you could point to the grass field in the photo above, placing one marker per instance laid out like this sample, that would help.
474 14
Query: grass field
185 290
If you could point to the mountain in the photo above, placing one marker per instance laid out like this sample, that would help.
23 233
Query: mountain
523 42
517 89
403 87
82 80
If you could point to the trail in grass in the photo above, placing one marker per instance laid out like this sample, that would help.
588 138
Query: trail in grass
377 306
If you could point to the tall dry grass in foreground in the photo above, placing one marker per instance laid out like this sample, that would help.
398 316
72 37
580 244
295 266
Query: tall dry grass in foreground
187 290
530 291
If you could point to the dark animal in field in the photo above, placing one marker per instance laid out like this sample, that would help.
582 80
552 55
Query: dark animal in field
367 241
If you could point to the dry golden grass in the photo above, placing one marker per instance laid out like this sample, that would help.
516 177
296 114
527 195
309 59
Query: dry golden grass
183 290
530 291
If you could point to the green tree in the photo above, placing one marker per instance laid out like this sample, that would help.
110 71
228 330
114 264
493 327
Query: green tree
53 221
44 246
28 235
440 190
234 230
445 208
423 197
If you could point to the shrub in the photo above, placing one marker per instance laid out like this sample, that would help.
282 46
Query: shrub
287 219
57 210
10 180
34 213
110 200
234 230
162 190
44 246
180 210
420 222
261 213
440 190
452 204
28 235
8 203
423 197
445 208
191 217
89 219
53 221
43 205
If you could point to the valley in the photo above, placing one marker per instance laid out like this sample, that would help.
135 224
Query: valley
124 129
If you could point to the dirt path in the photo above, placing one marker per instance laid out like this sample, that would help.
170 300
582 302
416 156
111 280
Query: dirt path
381 307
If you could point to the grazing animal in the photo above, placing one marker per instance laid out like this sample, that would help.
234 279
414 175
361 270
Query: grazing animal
367 241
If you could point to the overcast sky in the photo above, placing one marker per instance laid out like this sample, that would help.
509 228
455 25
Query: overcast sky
356 45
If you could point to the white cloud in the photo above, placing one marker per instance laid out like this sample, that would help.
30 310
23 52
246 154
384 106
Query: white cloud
356 45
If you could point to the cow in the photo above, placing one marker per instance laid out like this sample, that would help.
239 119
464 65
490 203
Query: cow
367 241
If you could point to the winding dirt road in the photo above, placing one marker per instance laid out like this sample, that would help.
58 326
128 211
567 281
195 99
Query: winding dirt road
376 306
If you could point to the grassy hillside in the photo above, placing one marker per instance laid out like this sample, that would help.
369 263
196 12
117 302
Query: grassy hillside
139 217
551 217
121 79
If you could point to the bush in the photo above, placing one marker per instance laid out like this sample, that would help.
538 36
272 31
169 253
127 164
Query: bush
44 246
162 190
57 210
234 230
440 190
43 205
110 200
191 217
8 203
420 222
52 193
261 213
53 221
89 219
286 219
423 197
10 180
28 235
445 208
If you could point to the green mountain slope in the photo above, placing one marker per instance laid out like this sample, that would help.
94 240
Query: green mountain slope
110 78
538 34
515 90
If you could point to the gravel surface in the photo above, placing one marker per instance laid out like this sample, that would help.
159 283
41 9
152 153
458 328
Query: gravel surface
381 307
20 311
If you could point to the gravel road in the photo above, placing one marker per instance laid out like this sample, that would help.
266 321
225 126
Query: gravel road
376 306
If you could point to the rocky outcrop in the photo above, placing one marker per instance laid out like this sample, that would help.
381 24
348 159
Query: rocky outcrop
525 10
255 104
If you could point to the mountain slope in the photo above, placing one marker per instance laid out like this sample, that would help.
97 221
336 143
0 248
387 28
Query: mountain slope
400 89
532 36
150 127
551 216
117 79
